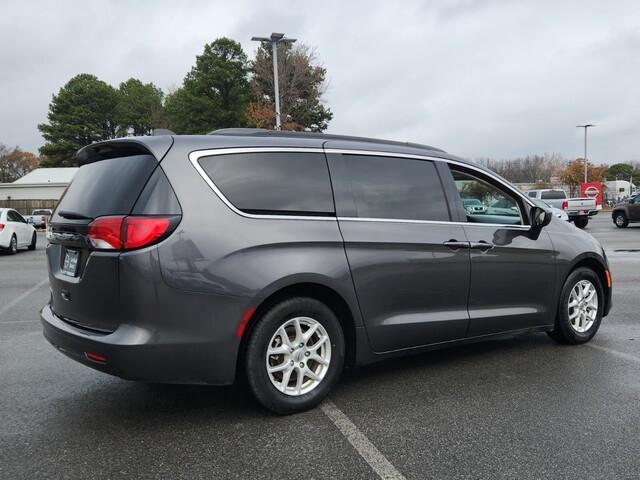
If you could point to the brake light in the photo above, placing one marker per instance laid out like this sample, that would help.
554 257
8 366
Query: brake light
126 233
1 226
565 205
141 231
105 233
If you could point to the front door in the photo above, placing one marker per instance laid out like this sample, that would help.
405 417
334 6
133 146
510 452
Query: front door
409 263
512 264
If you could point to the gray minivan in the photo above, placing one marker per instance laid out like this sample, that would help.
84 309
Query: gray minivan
281 257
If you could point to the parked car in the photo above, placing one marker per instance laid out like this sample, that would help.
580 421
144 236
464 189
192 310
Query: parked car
561 214
15 232
39 218
473 206
579 209
315 252
626 212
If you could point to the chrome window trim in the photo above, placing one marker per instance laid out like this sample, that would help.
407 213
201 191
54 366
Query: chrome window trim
437 222
197 154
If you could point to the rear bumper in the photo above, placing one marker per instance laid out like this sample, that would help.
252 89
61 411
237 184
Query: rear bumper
134 353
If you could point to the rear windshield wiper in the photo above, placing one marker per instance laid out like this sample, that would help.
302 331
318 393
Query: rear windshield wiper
73 215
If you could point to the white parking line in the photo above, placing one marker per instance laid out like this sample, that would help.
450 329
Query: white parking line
20 298
367 450
626 356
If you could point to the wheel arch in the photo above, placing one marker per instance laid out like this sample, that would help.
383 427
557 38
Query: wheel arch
321 292
599 267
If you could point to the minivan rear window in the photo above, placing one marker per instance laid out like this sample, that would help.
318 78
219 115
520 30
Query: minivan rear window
281 183
107 187
553 195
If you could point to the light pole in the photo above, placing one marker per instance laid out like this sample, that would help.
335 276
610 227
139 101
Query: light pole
585 126
274 40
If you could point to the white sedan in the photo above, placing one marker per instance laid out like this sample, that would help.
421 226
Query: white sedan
15 232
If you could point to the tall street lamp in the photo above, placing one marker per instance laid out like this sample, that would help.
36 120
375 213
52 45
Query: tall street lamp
585 126
274 40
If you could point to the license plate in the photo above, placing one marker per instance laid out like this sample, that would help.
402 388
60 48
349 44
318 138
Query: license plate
581 212
70 265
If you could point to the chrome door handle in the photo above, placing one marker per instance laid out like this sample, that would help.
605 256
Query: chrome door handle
481 245
456 245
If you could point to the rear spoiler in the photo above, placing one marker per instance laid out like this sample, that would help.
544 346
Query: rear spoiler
125 147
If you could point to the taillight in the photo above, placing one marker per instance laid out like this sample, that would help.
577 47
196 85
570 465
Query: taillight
141 231
126 233
565 205
1 226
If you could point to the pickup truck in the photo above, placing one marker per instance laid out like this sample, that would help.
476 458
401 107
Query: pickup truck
39 218
578 209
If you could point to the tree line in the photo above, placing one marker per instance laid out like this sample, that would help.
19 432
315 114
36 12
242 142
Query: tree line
224 89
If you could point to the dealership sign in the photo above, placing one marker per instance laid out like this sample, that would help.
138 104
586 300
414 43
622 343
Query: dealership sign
592 190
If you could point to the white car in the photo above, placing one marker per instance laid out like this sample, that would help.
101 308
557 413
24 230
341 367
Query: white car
15 232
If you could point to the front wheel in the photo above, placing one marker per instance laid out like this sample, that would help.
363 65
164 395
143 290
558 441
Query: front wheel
294 355
581 222
34 240
620 219
580 309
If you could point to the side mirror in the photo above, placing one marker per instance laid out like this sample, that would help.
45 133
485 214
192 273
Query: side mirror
539 217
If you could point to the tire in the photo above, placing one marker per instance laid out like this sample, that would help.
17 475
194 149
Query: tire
578 330
13 245
34 240
292 397
620 220
581 222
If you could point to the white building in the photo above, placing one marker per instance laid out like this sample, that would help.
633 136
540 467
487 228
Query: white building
41 188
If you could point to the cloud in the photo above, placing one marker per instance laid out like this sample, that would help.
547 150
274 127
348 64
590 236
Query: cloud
478 78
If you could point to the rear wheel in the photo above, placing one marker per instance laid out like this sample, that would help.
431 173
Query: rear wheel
580 309
294 355
620 219
13 245
581 222
34 240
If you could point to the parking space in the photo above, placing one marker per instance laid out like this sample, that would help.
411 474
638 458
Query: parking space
517 407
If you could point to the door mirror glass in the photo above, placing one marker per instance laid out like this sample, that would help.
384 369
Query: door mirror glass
540 217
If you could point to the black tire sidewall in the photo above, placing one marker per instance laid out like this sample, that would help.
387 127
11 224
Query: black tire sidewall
624 222
563 328
34 240
581 222
257 377
13 245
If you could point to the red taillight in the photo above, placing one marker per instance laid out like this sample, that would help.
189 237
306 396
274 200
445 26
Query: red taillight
565 205
105 233
125 233
141 231
1 226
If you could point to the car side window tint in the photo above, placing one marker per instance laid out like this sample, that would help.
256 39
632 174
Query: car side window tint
483 202
280 183
13 216
396 188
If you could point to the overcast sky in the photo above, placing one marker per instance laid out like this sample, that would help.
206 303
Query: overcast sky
478 78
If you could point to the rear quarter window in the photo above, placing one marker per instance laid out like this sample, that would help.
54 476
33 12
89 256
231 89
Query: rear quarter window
284 183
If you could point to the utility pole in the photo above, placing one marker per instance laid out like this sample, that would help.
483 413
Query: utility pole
585 126
274 40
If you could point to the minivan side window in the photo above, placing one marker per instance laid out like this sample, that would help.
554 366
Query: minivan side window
396 188
273 183
483 202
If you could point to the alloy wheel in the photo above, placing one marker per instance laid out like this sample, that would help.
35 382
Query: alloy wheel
298 356
583 306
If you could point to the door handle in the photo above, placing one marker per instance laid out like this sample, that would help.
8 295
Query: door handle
481 245
456 245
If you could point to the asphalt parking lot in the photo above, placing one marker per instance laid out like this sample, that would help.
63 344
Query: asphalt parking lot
520 407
